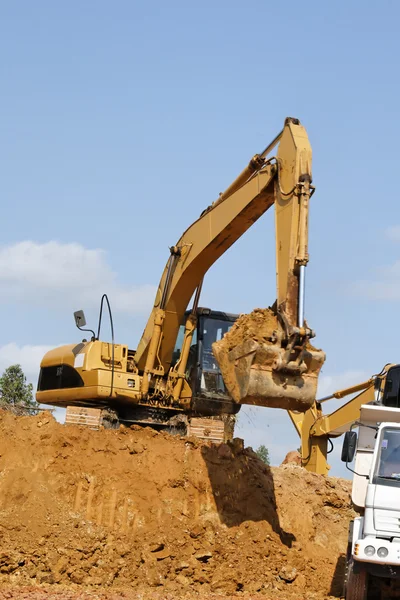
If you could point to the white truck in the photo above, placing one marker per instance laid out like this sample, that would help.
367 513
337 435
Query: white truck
373 555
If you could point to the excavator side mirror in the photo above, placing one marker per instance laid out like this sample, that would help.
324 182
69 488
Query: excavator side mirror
349 446
80 320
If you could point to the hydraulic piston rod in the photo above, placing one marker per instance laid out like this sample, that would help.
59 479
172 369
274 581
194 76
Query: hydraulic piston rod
302 281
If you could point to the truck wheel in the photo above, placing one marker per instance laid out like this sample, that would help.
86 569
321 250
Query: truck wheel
356 582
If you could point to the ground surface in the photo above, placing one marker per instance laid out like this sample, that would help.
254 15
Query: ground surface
43 594
137 514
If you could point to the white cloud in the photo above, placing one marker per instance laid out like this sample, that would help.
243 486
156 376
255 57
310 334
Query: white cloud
28 357
52 271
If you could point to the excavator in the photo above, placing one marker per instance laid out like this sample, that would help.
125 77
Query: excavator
178 372
316 429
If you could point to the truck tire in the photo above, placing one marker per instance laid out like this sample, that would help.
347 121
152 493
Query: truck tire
356 582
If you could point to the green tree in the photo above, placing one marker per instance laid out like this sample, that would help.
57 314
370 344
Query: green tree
263 454
15 393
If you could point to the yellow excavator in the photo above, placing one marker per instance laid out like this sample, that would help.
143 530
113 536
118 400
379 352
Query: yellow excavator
316 429
174 376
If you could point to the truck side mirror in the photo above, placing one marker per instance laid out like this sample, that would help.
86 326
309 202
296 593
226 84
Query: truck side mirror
79 317
349 446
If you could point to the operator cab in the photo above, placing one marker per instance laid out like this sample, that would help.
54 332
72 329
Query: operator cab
202 371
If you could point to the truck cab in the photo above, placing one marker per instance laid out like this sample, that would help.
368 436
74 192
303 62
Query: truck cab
373 557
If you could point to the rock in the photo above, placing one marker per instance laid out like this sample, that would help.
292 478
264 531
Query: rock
182 580
250 453
45 577
156 547
77 576
61 565
182 566
223 583
147 557
154 577
162 554
237 445
136 448
293 458
288 573
224 451
93 581
196 531
203 556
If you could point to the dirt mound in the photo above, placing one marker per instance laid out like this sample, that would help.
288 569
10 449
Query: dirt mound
257 325
292 457
134 509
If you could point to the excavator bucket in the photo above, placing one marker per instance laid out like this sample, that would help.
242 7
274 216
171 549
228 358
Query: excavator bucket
259 368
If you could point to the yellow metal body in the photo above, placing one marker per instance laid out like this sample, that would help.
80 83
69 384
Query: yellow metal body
315 428
92 363
146 375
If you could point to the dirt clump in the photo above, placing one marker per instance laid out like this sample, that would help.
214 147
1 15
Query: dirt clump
292 457
138 512
258 325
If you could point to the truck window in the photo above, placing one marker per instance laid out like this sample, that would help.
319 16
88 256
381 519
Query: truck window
388 462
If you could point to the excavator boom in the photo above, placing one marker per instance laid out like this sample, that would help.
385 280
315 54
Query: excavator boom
283 180
198 248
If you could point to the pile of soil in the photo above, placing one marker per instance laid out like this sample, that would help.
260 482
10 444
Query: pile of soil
140 512
257 325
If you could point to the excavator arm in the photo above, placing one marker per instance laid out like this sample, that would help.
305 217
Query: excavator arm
199 247
283 180
264 182
315 428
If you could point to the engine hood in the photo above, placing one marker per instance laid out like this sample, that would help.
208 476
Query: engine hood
64 354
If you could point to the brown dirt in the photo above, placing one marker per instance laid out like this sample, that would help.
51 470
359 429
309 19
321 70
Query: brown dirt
257 325
293 457
137 514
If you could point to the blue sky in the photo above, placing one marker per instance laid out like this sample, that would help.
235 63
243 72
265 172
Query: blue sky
122 120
